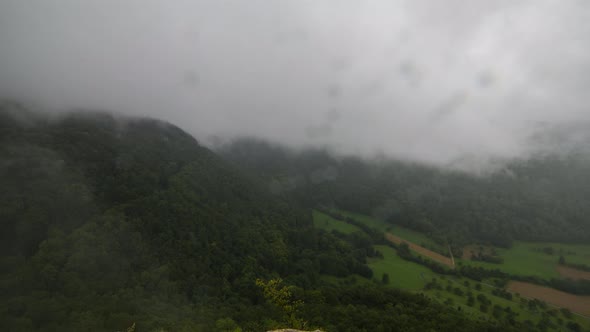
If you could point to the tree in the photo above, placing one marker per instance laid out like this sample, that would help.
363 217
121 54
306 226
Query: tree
403 249
385 279
281 296
227 325
573 326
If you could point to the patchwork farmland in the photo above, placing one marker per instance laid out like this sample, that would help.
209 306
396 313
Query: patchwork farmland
575 303
522 259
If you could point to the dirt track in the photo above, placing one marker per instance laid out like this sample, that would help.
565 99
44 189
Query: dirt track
421 250
575 303
572 273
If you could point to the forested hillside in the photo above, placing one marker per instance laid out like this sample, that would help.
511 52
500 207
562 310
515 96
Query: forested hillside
541 199
111 222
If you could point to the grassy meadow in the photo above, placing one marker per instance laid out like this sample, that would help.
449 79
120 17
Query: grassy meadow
402 274
406 233
324 221
528 258
367 220
456 291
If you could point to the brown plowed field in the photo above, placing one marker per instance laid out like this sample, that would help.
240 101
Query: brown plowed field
421 250
575 303
572 273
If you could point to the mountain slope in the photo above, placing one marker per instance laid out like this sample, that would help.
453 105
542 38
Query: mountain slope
91 203
110 221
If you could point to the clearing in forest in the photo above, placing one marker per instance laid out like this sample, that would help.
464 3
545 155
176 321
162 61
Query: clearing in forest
421 250
324 221
576 303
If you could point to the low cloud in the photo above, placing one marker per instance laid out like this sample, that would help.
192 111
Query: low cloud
450 83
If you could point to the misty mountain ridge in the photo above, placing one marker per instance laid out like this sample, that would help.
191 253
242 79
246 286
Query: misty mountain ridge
547 180
111 224
563 140
105 204
494 207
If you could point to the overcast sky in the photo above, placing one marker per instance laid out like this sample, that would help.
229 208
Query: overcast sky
434 81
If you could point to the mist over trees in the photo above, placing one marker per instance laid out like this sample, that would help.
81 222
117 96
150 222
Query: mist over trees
116 222
539 199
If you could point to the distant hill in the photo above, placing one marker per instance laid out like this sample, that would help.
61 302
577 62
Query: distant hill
540 199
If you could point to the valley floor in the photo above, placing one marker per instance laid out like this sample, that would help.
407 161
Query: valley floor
576 303
481 300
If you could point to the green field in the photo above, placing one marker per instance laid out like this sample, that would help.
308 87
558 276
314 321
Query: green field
402 274
516 305
405 233
573 253
369 221
523 259
324 221
417 238
413 277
